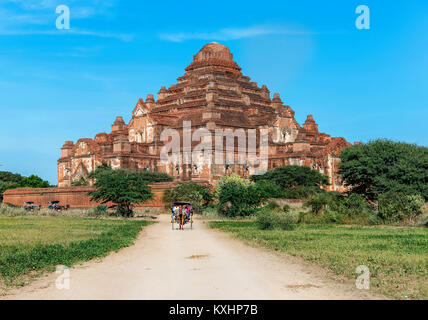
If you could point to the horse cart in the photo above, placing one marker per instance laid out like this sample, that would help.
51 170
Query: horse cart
30 206
181 214
55 206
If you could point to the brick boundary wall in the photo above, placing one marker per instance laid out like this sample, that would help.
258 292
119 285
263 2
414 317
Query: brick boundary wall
75 197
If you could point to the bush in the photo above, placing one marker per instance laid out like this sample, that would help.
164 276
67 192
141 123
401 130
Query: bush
317 203
302 192
351 205
269 219
286 220
273 205
265 220
374 219
397 207
98 211
286 208
238 196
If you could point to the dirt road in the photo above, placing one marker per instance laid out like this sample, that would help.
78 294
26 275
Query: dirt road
193 264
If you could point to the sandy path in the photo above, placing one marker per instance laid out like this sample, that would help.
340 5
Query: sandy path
193 264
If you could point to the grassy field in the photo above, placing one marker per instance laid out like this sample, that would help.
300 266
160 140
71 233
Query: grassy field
397 257
30 245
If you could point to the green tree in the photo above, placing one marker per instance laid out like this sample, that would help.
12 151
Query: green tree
190 192
6 176
34 181
293 176
122 187
381 166
238 196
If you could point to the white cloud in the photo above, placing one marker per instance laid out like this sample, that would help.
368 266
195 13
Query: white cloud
232 33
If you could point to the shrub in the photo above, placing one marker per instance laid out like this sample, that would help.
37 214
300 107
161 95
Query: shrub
269 219
302 192
351 205
286 208
374 219
317 203
238 196
273 205
286 220
331 217
397 207
265 220
98 211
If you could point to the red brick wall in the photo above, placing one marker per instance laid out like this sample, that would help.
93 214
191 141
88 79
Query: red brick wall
76 197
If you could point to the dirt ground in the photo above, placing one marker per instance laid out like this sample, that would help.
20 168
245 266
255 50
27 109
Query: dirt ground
193 264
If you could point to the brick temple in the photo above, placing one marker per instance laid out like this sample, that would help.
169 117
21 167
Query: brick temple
212 94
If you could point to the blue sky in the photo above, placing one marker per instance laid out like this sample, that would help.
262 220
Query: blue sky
58 85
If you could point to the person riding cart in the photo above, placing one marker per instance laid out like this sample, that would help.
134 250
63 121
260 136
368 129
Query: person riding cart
181 213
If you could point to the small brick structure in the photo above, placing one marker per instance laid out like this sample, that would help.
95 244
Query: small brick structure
75 197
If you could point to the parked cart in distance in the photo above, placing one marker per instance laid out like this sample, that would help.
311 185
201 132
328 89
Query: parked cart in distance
30 206
54 205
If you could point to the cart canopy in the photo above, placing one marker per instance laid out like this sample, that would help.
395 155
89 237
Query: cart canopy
180 203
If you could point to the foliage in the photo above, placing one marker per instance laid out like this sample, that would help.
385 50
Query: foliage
232 178
267 219
270 190
190 192
286 208
351 205
396 206
122 187
395 256
238 196
6 176
293 176
302 192
34 181
272 205
98 211
153 177
381 166
317 203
